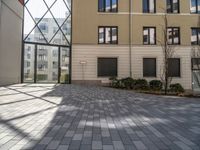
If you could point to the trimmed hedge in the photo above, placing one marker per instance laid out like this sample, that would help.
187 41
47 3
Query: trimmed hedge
156 85
141 84
176 88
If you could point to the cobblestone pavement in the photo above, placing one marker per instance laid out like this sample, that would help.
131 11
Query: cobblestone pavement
34 116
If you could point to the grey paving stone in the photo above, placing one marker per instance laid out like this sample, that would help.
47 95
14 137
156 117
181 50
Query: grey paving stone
118 145
63 147
139 145
97 145
108 147
48 116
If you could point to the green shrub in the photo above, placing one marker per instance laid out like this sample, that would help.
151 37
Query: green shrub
128 83
115 83
177 88
156 85
141 84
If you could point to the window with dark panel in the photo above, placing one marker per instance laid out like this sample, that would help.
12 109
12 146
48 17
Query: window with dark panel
195 63
149 35
107 67
173 34
108 35
195 36
149 6
173 6
195 6
174 69
108 5
149 67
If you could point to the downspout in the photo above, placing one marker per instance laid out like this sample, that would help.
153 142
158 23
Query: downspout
130 36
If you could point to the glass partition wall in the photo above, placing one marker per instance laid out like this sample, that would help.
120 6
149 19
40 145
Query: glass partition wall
47 41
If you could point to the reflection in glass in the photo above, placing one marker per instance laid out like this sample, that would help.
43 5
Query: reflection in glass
149 34
108 35
195 37
101 35
64 65
29 59
47 64
51 24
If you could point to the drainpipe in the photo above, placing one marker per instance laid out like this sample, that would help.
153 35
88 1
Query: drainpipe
130 36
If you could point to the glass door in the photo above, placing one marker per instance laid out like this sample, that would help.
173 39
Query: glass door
47 64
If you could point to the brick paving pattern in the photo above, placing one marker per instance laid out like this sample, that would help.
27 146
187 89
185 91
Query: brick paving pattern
74 117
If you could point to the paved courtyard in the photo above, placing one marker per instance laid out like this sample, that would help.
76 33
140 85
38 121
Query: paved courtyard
34 116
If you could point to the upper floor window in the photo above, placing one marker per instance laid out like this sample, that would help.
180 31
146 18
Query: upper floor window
108 6
149 35
195 6
173 6
108 35
195 37
173 35
149 6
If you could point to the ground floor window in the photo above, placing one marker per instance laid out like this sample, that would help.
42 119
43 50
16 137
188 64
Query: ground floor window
149 67
174 69
107 67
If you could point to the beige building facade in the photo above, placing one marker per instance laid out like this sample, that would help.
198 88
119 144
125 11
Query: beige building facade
131 49
11 15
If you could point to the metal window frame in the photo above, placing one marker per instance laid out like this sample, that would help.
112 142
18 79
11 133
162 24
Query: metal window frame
148 6
69 46
192 63
111 41
198 32
149 27
172 7
179 36
104 7
197 9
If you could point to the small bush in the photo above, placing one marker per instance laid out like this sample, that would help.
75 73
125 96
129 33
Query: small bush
156 85
177 88
115 83
141 84
128 83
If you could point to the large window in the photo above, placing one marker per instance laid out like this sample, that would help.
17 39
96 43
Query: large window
173 6
149 67
195 6
108 6
149 6
107 67
149 35
47 31
174 69
173 34
108 35
195 36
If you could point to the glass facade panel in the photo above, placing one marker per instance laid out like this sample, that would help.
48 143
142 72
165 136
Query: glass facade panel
47 28
29 59
47 64
64 65
51 22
